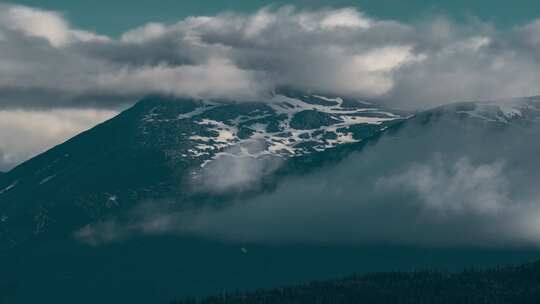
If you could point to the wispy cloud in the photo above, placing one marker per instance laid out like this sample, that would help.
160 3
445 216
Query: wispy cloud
454 188
239 168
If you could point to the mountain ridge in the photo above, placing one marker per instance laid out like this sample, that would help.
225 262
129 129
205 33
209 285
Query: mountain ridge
103 176
147 151
509 284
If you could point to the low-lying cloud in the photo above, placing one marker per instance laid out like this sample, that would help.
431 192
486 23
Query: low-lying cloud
239 168
472 211
430 185
454 188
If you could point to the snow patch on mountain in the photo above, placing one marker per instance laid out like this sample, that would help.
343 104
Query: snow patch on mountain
505 110
286 127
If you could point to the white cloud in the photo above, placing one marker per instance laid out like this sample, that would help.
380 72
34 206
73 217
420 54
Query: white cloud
259 22
383 59
239 168
144 33
346 18
455 188
26 133
48 25
217 78
44 24
232 55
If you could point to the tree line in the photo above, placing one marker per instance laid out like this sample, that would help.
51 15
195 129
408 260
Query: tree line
516 284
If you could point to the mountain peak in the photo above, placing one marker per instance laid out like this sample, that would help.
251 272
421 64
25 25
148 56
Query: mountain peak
285 125
153 149
523 110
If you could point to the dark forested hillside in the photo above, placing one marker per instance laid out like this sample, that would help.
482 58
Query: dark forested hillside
188 198
502 285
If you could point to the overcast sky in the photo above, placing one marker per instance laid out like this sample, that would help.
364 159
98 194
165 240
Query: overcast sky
67 73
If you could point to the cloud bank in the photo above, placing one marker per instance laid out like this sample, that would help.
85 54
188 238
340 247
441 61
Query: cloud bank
46 62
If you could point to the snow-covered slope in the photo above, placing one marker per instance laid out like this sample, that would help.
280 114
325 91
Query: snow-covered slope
282 126
503 111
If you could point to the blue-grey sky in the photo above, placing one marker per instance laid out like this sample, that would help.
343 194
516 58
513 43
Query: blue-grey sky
113 17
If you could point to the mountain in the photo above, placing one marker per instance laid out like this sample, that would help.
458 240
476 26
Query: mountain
178 154
499 285
149 151
524 111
